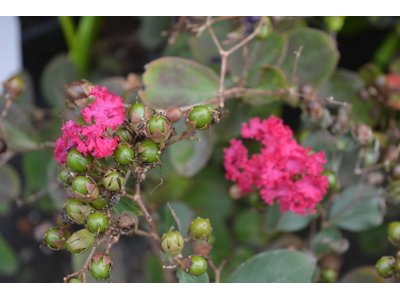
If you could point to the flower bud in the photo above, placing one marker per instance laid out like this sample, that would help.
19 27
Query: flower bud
80 241
13 87
384 266
74 280
159 129
79 184
137 113
198 117
100 266
128 222
77 162
200 229
100 203
56 238
172 242
394 233
66 176
113 180
363 134
329 276
124 135
124 154
174 114
194 265
148 151
77 210
332 179
97 222
77 93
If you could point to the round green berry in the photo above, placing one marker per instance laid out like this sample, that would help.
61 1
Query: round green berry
123 154
172 242
157 121
99 270
124 135
384 266
101 203
77 162
56 238
200 229
79 242
97 222
394 232
66 176
199 265
149 152
201 115
329 276
79 184
74 280
332 179
77 210
138 109
113 180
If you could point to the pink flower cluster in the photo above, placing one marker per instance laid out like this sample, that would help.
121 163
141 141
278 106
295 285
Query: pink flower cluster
284 171
106 111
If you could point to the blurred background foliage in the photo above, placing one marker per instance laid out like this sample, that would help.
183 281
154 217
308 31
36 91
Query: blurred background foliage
341 57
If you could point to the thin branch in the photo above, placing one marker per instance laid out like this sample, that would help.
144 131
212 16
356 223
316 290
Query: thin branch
297 53
217 271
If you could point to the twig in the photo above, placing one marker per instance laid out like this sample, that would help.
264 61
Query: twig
217 271
296 61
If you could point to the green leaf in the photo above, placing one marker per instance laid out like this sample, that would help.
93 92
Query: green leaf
287 222
271 51
10 183
183 212
394 66
366 274
173 82
57 193
357 208
8 258
153 270
35 174
57 74
248 227
276 266
329 240
367 112
188 157
126 204
342 86
151 29
318 58
186 278
270 79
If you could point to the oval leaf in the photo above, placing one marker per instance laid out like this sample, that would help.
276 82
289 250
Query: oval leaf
276 266
172 82
186 278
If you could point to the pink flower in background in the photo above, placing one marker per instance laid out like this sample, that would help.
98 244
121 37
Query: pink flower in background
284 171
107 110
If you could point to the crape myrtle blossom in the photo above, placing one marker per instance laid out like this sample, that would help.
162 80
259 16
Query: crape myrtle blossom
284 171
106 111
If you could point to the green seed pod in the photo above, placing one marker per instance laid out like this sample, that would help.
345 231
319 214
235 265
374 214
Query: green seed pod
124 135
56 238
200 229
100 266
137 113
199 117
97 222
394 233
77 210
329 276
80 241
77 162
195 265
265 30
79 184
148 151
101 203
172 242
332 179
384 266
124 154
397 265
74 280
66 176
159 129
113 180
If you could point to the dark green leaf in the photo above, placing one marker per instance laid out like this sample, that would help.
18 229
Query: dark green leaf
8 259
182 211
248 227
151 29
276 266
362 275
35 173
186 278
173 81
10 183
126 204
154 272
